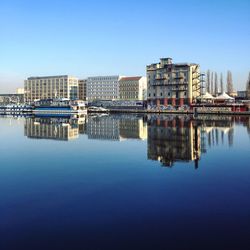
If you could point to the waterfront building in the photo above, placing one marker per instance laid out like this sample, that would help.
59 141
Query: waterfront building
47 87
133 88
63 129
82 89
173 84
103 88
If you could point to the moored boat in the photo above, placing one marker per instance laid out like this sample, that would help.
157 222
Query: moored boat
59 106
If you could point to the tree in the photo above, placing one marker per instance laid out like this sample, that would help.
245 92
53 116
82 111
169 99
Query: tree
229 82
216 84
221 83
212 83
208 82
248 86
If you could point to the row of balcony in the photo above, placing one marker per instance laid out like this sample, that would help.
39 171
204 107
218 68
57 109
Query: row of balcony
180 88
166 83
159 77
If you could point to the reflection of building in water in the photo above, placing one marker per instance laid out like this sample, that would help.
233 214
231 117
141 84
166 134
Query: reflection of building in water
245 120
248 125
82 128
116 127
52 128
172 139
82 123
103 128
220 129
217 128
132 127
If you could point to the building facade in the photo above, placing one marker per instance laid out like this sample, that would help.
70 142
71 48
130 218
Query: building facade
133 88
82 90
47 87
242 94
173 84
103 88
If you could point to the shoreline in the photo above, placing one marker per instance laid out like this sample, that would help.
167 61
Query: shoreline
122 111
173 112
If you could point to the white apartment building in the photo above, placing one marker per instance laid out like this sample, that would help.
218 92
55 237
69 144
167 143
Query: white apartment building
133 88
47 87
103 88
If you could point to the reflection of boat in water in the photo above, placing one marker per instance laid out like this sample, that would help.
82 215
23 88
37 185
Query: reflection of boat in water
98 109
15 109
59 106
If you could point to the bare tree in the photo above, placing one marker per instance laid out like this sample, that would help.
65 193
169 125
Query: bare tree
229 82
216 84
221 83
208 82
212 83
248 86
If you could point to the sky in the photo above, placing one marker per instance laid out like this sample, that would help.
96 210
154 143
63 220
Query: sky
88 38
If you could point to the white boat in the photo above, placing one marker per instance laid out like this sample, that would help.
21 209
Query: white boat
97 109
59 106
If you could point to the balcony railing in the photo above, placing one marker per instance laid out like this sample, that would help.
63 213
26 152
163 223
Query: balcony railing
158 78
166 83
181 88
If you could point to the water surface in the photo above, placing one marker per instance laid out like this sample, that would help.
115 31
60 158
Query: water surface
125 182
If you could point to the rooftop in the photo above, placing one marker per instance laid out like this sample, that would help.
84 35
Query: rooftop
48 77
132 78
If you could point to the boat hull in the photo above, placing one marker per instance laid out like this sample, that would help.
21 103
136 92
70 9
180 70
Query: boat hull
58 111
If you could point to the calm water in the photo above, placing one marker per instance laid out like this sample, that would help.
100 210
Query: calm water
125 182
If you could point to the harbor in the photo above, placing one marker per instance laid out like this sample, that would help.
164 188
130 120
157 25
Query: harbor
195 110
124 125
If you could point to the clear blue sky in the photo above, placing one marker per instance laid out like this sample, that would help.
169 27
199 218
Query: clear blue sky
84 38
